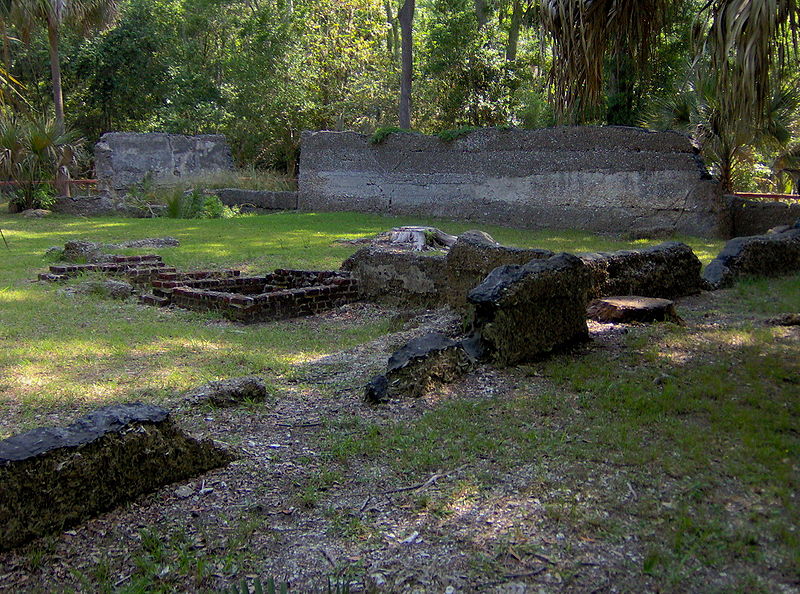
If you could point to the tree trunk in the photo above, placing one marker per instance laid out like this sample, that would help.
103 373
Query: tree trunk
726 174
6 50
55 71
392 34
513 31
481 13
406 16
61 181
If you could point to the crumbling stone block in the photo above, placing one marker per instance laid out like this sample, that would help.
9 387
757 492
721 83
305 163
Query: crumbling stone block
667 270
522 312
52 478
231 392
759 255
632 309
401 279
474 255
79 250
423 364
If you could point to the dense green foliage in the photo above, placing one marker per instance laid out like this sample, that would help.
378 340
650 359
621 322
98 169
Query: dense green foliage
262 71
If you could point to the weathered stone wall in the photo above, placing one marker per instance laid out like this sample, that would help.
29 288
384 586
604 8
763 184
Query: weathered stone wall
752 217
609 179
257 198
123 159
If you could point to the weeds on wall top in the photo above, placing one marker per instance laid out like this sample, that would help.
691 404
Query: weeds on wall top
382 134
451 135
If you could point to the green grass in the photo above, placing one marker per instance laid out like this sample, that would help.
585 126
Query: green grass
62 351
698 420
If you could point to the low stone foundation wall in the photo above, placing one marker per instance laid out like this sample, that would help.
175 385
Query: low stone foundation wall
274 305
257 198
136 269
667 270
760 255
753 217
53 478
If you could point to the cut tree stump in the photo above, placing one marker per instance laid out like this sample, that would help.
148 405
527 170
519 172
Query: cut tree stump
422 238
632 308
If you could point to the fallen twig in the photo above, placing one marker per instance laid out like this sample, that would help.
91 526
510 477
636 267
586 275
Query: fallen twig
543 558
514 576
365 504
427 483
632 492
4 239
328 558
298 425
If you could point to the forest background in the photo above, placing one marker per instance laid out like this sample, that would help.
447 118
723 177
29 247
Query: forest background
262 71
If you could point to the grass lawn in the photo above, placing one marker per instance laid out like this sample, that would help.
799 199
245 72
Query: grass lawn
663 458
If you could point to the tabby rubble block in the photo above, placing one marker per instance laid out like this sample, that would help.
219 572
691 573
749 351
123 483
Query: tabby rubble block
420 366
522 312
230 392
667 270
55 477
632 308
758 255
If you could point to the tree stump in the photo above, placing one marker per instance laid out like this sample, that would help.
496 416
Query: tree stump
422 238
632 309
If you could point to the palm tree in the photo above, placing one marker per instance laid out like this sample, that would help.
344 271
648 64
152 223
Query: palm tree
53 15
745 38
728 141
31 150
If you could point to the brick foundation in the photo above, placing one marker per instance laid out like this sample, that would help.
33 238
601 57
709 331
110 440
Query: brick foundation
279 295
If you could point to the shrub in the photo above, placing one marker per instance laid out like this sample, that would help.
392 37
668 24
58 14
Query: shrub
194 205
33 196
33 150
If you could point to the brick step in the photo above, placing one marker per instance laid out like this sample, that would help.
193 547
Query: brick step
199 275
150 299
73 269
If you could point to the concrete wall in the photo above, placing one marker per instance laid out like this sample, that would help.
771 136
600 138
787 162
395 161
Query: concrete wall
123 159
754 217
608 179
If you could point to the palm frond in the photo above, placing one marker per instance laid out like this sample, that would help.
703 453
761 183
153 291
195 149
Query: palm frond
747 39
583 32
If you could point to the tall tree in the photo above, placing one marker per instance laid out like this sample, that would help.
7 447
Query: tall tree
406 17
53 15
